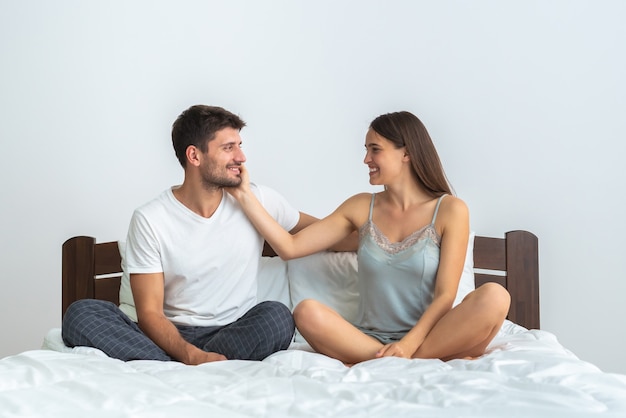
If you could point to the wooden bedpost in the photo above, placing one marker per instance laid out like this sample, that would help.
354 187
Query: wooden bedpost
78 270
522 265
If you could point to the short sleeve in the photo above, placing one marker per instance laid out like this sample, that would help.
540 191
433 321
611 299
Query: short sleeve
142 248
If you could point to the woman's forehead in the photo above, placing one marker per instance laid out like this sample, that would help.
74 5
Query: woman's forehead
372 137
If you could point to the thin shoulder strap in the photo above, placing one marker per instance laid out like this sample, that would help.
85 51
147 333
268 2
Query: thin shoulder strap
372 206
437 209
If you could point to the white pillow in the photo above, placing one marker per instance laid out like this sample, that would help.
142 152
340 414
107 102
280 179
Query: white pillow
467 283
272 283
329 277
127 303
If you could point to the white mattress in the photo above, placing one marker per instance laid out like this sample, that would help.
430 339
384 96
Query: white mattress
524 373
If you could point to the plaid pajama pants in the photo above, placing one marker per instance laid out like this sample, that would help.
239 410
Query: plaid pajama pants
266 328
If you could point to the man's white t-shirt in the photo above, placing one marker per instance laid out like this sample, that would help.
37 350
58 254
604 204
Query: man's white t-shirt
210 265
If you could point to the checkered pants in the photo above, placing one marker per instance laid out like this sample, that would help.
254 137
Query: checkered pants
266 328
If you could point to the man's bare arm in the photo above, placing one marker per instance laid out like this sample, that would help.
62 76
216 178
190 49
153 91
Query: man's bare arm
148 293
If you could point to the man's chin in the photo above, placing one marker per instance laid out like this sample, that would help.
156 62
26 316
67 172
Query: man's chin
233 183
221 183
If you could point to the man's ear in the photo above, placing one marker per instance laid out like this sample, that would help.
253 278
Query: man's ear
193 155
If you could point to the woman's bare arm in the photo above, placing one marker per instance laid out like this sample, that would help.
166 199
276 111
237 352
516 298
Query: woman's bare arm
316 237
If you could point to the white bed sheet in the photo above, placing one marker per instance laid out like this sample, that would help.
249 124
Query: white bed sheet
524 373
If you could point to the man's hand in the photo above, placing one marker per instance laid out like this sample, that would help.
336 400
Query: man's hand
197 356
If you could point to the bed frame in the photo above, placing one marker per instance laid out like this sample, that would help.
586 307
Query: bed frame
92 270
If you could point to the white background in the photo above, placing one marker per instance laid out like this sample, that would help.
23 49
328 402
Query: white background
526 102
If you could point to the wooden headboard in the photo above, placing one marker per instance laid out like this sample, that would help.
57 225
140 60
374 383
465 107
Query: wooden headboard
93 270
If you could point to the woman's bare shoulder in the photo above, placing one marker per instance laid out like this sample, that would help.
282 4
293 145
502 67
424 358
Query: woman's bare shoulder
360 197
453 203
453 208
358 200
356 208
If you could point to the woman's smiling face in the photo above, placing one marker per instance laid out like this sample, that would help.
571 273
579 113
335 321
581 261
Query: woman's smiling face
382 157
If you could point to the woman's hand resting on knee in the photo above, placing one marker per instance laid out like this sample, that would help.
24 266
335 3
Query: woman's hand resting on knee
398 349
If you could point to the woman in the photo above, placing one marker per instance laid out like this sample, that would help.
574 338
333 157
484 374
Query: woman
412 244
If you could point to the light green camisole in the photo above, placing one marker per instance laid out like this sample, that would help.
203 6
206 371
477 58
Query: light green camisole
396 280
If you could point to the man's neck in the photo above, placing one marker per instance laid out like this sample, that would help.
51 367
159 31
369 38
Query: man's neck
198 199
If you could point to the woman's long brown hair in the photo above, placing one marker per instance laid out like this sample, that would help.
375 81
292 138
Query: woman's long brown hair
404 129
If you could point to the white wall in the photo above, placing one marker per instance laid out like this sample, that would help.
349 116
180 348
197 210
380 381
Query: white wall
525 101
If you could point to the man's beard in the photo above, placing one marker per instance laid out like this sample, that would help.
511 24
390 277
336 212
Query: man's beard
213 181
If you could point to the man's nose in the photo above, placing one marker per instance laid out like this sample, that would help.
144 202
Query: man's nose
240 156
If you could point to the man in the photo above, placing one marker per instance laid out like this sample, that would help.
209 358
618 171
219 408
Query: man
193 257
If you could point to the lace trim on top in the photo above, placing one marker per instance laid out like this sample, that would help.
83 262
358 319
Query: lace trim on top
370 228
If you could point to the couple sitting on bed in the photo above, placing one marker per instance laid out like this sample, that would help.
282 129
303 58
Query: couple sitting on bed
193 254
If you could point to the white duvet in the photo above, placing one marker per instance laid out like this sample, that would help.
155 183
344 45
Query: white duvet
524 373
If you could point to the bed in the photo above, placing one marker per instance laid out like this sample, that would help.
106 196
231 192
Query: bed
525 371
